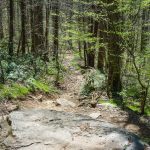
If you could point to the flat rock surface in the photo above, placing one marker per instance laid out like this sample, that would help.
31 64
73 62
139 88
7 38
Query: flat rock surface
54 130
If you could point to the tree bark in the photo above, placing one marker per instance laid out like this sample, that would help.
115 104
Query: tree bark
101 51
23 25
47 26
1 23
32 26
11 27
114 51
55 19
38 32
91 51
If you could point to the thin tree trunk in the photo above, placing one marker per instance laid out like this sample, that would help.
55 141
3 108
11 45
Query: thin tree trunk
55 19
85 53
91 51
101 51
1 24
23 26
143 100
11 27
2 78
32 26
84 42
80 49
47 26
19 44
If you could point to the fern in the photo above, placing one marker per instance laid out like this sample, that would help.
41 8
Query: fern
13 91
39 85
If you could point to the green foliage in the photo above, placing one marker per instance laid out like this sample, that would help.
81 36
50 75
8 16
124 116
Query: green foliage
17 90
147 110
35 85
13 91
131 92
75 61
94 81
18 72
107 102
52 71
27 70
137 73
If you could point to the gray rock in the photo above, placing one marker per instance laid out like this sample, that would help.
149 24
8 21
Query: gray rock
65 103
52 130
95 115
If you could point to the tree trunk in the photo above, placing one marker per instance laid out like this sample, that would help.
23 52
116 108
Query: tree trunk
80 49
91 51
84 42
11 27
38 32
143 100
114 51
1 24
85 53
101 51
32 27
47 26
2 78
55 19
23 26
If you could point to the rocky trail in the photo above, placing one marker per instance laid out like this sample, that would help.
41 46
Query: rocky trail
61 123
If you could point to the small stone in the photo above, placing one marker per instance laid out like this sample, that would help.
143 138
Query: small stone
64 103
95 115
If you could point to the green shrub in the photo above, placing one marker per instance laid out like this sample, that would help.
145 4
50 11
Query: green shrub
13 91
94 81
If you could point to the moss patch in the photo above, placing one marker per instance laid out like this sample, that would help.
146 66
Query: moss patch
111 101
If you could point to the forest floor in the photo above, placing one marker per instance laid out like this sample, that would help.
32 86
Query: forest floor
70 95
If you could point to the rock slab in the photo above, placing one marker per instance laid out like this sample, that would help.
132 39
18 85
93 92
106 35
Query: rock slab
53 130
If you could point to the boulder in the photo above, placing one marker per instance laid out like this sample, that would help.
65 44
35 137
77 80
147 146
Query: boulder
53 130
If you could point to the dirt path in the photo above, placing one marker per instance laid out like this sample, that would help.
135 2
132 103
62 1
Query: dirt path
73 79
71 89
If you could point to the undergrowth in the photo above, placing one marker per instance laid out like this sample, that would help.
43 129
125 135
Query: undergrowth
35 85
18 90
13 91
27 74
130 104
94 81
